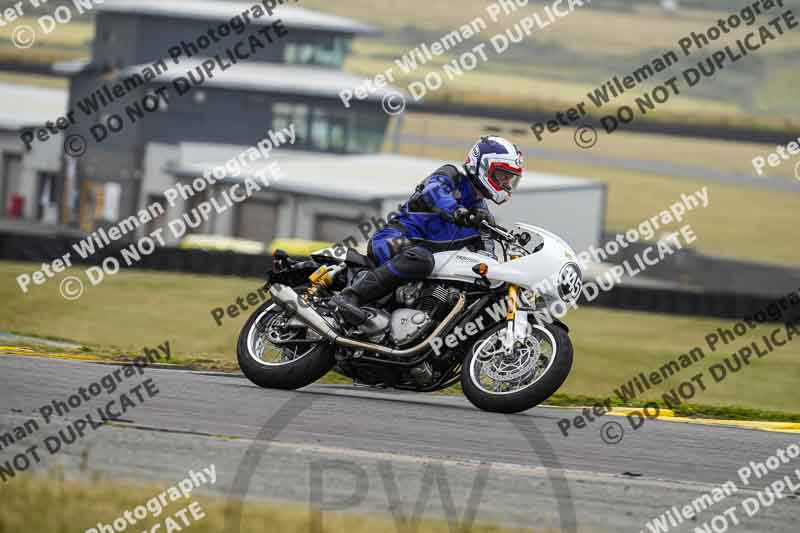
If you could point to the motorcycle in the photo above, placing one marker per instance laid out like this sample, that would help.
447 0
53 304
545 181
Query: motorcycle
475 320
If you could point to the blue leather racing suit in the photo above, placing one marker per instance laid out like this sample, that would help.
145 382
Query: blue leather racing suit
425 224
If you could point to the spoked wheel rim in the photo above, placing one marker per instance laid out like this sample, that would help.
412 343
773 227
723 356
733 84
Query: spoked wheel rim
273 325
494 372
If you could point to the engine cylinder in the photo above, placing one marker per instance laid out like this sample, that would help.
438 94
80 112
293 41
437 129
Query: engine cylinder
434 298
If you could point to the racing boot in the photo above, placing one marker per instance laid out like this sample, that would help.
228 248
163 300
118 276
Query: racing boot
368 287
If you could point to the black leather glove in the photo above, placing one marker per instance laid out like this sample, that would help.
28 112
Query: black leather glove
471 218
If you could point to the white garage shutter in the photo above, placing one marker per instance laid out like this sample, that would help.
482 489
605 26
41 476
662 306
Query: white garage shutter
257 220
331 228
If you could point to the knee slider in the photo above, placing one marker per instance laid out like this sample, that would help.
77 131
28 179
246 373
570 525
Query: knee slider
415 263
418 254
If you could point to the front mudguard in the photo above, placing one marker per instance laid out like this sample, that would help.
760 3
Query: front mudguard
557 322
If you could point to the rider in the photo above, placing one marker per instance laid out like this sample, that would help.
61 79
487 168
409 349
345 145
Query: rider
444 213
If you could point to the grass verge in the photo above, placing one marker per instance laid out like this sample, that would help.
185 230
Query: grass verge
723 412
53 504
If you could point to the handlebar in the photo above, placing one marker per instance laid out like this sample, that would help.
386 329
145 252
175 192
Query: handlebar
500 232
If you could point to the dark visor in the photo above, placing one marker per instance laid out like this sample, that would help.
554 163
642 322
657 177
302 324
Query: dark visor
505 178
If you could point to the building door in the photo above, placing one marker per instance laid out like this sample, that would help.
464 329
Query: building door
160 221
257 220
48 191
333 228
10 184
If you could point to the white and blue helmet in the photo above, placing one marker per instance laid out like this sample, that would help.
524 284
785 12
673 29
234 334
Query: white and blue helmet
495 167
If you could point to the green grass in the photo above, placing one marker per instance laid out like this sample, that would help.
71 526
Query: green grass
593 31
76 34
612 347
130 310
66 42
694 410
555 67
53 504
136 309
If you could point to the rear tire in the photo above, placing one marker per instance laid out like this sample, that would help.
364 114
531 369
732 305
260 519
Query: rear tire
310 361
540 389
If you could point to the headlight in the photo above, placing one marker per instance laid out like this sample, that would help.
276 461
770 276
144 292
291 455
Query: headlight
531 299
527 298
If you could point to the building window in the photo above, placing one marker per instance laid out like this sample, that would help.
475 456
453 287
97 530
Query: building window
328 130
331 129
328 51
284 115
368 133
299 53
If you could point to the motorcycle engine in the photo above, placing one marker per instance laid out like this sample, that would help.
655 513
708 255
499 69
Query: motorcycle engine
409 325
374 328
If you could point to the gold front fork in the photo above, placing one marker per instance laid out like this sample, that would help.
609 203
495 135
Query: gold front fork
511 313
513 294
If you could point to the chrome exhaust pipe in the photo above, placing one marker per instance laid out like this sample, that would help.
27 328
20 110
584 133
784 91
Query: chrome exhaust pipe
287 298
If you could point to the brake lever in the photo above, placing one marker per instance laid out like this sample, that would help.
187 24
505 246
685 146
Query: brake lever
502 232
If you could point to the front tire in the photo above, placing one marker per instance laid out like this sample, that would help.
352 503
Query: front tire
286 366
499 384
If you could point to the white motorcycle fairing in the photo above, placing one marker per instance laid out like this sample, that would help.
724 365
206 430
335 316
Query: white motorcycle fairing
553 271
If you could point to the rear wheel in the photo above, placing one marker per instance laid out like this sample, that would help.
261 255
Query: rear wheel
494 380
269 362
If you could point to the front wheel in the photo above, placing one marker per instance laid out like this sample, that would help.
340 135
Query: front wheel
494 380
270 359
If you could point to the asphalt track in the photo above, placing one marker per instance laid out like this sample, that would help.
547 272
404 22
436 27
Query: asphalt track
383 450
